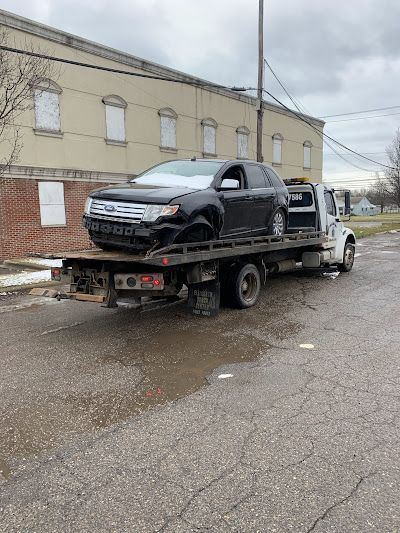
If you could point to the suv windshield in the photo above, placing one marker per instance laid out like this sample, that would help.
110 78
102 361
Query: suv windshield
190 174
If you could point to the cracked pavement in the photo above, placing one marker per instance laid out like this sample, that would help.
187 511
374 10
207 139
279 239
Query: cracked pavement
296 440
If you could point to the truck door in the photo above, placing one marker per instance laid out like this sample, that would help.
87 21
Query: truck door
333 224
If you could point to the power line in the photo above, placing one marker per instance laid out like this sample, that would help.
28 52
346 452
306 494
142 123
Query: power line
364 111
364 153
198 83
322 134
362 118
291 98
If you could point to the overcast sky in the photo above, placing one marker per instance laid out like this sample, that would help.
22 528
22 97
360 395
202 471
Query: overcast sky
334 57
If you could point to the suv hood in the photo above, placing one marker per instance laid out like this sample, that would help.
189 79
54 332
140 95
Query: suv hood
133 192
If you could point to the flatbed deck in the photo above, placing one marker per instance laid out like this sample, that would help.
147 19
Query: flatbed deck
180 254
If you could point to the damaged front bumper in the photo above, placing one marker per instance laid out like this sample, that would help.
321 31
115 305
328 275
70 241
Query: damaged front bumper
129 236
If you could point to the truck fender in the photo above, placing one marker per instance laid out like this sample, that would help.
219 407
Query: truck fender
346 236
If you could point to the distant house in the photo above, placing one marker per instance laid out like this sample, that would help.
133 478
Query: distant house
362 206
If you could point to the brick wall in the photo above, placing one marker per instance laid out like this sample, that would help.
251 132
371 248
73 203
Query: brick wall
21 232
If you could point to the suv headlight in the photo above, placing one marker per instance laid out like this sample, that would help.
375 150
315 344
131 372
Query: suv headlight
88 204
154 211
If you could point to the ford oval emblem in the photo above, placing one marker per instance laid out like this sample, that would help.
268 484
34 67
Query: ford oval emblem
109 207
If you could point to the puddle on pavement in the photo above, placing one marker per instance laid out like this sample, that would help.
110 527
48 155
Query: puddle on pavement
168 352
5 470
172 365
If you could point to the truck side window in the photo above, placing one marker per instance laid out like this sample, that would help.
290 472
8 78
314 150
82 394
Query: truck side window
330 203
255 177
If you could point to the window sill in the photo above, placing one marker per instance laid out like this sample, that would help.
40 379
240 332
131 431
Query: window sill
169 150
207 154
242 158
116 143
306 168
44 226
48 133
276 164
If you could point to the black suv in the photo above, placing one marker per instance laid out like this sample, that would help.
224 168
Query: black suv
188 200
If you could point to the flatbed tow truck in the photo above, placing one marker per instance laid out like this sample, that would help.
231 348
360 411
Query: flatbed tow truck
231 270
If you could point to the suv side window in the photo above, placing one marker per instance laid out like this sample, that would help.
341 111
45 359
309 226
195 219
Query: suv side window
330 203
255 177
275 179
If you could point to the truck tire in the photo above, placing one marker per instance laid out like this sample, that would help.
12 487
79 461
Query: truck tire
242 287
348 258
278 223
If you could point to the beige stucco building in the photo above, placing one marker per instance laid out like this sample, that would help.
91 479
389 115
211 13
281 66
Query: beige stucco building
95 126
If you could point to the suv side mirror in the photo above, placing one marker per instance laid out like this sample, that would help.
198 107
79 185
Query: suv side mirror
228 184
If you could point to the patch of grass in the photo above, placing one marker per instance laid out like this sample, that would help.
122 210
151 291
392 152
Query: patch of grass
384 217
361 231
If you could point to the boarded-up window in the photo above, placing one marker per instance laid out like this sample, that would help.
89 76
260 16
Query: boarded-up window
277 149
47 105
115 118
209 136
307 154
51 200
168 119
243 142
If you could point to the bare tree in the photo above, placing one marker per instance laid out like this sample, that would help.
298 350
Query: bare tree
379 192
393 174
18 73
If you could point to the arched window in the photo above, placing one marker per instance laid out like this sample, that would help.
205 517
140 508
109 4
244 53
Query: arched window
277 140
115 119
47 105
209 136
307 154
243 142
168 119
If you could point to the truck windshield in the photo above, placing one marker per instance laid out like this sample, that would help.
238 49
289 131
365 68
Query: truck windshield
190 174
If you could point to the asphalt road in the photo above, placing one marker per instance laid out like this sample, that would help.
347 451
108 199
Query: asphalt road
118 420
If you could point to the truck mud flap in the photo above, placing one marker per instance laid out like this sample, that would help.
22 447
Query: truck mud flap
204 298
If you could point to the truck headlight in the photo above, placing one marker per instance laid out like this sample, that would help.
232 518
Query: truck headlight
154 211
88 204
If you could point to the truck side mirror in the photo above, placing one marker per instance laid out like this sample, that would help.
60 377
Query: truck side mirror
228 184
347 203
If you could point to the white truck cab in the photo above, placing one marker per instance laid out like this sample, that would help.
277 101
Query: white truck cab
313 207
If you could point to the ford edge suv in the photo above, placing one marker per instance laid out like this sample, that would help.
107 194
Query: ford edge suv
188 200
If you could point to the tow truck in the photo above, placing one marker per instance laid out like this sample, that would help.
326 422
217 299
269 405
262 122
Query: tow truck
228 270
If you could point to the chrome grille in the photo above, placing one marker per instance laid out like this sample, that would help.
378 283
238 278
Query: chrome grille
123 211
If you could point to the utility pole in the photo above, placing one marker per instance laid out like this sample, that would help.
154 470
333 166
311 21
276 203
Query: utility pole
260 110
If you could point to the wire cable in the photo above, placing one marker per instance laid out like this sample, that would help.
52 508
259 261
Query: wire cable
364 111
322 134
198 83
297 105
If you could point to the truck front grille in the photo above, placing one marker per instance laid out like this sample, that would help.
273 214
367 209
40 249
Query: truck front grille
115 210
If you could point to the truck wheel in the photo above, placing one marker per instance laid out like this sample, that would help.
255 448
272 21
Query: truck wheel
278 224
243 286
348 258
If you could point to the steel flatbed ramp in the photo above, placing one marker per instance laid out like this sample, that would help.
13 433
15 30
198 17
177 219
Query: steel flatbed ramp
180 254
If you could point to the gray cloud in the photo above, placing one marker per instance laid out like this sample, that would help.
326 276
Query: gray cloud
333 56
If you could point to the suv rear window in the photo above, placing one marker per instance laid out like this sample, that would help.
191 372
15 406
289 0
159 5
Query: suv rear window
274 178
300 199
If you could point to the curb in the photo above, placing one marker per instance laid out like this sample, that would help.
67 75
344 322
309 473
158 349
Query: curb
14 263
